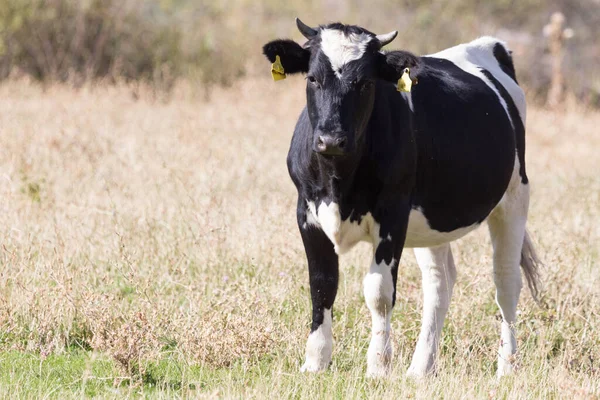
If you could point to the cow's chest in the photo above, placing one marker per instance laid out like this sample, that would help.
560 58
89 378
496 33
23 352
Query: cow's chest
344 234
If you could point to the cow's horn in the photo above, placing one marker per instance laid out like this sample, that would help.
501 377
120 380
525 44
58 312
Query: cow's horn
387 38
305 30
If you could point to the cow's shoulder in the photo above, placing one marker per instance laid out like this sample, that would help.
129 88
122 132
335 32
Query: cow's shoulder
300 157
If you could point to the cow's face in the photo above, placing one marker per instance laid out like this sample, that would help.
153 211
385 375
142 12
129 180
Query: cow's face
340 88
342 64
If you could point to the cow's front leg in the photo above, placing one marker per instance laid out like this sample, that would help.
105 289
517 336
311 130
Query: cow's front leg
323 274
380 294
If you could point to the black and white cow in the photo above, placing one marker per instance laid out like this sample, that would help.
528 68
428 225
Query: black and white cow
417 169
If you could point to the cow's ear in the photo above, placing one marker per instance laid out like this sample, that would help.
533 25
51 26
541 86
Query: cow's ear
293 57
392 65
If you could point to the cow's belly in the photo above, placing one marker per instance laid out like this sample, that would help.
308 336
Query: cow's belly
420 234
345 234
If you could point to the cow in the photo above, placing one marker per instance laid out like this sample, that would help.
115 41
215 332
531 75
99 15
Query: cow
416 168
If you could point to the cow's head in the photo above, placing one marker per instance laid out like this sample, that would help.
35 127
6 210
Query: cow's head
342 64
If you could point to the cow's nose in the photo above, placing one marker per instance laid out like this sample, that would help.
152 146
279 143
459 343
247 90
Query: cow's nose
333 145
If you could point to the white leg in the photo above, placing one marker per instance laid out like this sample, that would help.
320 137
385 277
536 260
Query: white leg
379 291
439 275
319 346
507 230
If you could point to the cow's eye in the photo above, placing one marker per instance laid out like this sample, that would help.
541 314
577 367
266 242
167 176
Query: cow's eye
366 85
312 80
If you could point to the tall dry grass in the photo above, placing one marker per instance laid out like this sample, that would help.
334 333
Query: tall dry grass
136 227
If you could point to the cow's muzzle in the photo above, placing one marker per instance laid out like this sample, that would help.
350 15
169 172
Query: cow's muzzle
331 145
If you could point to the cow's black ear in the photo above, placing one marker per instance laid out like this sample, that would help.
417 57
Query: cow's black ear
393 64
293 57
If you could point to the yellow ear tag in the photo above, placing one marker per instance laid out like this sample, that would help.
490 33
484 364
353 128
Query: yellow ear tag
405 83
277 71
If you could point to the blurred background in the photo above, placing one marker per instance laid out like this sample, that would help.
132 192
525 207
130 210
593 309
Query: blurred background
217 42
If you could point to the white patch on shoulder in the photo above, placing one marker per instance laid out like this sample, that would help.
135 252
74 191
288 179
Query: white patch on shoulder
341 49
311 214
319 346
343 234
420 234
480 54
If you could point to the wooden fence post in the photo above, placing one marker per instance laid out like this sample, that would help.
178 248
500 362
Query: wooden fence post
556 37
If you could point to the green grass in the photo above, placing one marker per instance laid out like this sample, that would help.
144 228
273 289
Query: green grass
27 375
86 374
78 374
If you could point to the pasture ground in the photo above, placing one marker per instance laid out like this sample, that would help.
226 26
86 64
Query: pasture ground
149 247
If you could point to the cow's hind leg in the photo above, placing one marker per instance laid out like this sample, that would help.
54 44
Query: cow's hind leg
507 231
439 274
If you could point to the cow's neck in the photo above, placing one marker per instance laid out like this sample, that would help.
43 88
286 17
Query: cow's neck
337 176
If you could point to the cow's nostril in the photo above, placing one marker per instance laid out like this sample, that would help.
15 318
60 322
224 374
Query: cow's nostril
321 144
331 144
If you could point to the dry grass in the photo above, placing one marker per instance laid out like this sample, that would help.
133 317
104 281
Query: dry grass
141 228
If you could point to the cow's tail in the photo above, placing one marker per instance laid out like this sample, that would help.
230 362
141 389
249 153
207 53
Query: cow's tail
530 263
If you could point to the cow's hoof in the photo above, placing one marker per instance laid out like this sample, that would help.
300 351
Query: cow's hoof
419 373
313 366
505 368
378 372
379 357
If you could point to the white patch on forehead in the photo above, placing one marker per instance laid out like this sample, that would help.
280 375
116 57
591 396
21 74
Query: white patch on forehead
341 49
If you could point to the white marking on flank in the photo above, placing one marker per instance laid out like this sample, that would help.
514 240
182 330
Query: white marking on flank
512 197
420 234
319 346
341 49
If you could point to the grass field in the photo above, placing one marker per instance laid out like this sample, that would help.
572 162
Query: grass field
149 247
